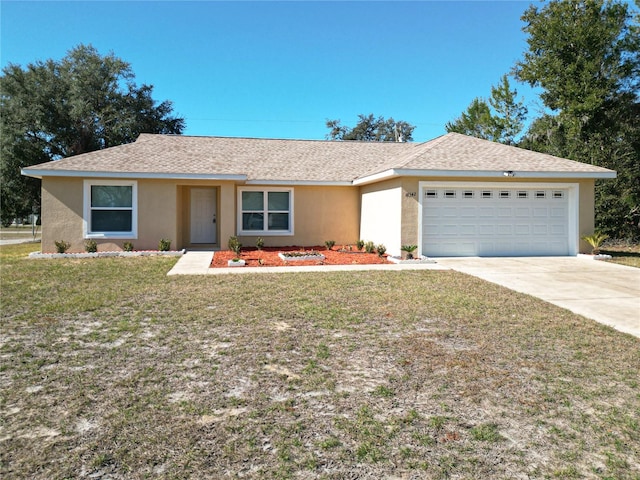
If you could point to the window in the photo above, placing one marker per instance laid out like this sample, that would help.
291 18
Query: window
541 194
431 194
505 194
468 194
449 194
487 194
523 194
265 212
110 209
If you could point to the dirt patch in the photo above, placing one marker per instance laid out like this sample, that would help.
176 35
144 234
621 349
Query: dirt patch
268 257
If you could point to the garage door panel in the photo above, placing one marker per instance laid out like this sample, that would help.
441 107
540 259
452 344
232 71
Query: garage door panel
495 221
468 212
540 212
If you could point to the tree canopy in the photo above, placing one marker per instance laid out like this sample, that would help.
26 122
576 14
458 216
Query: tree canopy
501 119
585 55
53 109
371 129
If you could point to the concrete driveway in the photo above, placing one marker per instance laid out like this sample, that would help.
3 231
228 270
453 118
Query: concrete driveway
605 292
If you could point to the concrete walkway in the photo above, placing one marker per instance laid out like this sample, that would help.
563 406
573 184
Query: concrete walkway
606 292
197 263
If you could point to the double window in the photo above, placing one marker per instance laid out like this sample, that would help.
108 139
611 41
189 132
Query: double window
110 209
265 211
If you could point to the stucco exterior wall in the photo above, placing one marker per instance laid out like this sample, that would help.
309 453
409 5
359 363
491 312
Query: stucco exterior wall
320 214
390 213
381 219
62 213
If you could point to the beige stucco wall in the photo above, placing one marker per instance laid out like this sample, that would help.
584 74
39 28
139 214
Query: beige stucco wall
320 214
62 213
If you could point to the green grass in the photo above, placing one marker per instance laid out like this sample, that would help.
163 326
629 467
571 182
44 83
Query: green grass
112 369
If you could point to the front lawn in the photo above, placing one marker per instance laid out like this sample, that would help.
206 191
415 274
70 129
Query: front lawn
624 254
111 369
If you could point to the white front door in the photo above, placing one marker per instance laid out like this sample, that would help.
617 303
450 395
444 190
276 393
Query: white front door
203 215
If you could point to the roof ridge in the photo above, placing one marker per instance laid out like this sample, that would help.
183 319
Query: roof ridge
271 139
426 146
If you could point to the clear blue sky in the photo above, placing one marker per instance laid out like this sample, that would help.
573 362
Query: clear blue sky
280 69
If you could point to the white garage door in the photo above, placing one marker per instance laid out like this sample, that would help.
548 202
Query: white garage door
495 221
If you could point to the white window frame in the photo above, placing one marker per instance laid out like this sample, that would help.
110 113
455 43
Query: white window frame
266 191
86 202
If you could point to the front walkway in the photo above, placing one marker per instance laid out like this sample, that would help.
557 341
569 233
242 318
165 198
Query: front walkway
197 263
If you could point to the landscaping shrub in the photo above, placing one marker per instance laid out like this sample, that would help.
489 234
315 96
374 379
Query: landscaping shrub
62 246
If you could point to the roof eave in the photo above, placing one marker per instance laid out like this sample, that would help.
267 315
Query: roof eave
39 173
322 183
391 173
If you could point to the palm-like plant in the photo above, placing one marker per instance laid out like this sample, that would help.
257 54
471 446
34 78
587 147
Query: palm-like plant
595 240
409 249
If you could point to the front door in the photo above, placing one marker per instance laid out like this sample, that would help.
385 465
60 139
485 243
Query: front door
203 215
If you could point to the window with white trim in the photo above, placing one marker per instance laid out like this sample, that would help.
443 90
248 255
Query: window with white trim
110 209
265 211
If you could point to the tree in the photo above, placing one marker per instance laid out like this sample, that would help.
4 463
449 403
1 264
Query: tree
499 120
371 129
585 55
477 121
55 109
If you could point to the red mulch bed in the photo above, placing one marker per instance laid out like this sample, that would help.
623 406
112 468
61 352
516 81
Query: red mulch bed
268 257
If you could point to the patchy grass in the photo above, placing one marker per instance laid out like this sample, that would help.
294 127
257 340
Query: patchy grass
624 254
112 369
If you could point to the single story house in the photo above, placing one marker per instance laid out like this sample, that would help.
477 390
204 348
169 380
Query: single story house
452 196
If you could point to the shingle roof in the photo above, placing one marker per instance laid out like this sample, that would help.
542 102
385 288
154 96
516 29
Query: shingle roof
272 160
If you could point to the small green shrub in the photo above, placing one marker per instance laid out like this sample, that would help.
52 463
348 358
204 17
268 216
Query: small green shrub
381 249
234 245
329 244
369 247
91 246
260 243
595 240
62 246
127 247
409 249
164 245
360 244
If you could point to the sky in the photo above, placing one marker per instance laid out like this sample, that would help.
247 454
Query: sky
282 69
